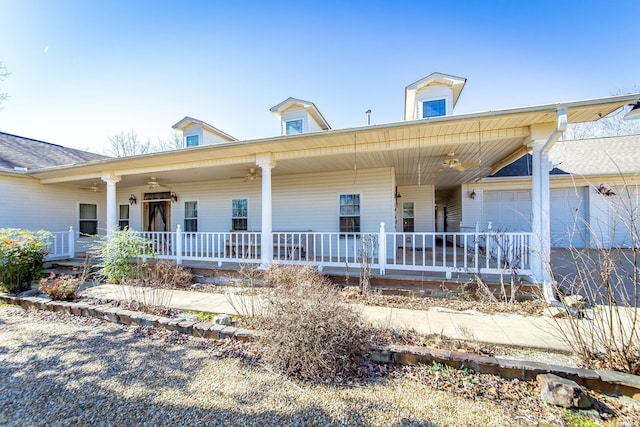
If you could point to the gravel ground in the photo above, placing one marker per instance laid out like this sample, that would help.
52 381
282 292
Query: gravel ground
64 370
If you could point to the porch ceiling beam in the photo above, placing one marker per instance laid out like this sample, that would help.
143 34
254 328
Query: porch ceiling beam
154 169
409 143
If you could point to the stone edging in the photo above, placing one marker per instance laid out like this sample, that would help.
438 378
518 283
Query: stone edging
607 382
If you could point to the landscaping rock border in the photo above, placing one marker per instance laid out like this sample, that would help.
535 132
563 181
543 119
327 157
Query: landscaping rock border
606 382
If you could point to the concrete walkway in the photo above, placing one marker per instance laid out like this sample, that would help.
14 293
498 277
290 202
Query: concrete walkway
508 329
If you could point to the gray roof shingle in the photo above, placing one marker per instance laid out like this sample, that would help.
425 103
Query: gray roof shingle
17 152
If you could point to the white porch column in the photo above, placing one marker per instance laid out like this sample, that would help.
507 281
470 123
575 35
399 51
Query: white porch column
112 207
266 163
540 206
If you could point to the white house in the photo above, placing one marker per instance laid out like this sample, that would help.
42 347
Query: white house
313 192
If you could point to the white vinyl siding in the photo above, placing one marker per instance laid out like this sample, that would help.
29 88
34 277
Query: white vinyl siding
423 199
310 201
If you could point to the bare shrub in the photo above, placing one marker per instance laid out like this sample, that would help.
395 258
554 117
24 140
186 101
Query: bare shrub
284 276
243 295
168 275
309 334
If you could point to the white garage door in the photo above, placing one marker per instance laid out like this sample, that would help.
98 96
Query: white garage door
510 210
624 216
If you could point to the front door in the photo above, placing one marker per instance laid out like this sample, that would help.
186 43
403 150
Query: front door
157 212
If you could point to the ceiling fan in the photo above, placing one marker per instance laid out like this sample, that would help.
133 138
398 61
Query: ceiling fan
155 184
451 162
252 174
95 187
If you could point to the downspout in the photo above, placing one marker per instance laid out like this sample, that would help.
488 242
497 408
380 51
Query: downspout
561 126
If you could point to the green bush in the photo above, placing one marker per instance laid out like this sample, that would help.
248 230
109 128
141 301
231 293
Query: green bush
22 255
119 253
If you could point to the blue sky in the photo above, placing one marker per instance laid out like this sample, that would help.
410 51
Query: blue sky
84 70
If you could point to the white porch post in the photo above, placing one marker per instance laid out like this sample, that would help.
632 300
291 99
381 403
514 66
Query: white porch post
543 136
382 249
266 163
540 205
112 207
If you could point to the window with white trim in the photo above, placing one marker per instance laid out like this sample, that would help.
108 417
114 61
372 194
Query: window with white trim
349 213
88 219
239 214
434 108
123 216
191 217
293 127
407 217
193 140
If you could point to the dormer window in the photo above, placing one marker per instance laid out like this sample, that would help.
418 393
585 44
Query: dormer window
434 108
293 127
192 140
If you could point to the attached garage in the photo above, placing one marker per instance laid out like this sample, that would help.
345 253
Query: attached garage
510 210
624 217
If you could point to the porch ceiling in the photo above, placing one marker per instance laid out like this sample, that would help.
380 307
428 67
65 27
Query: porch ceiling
415 149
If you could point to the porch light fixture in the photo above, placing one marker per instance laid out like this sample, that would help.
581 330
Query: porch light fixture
174 197
472 195
634 113
132 200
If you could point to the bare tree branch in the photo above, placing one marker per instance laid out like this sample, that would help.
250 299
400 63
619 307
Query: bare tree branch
4 73
125 144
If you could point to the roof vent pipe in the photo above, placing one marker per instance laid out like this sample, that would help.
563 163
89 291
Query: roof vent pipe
368 113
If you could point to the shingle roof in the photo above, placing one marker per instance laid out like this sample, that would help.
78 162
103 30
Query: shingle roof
522 167
19 152
611 155
594 156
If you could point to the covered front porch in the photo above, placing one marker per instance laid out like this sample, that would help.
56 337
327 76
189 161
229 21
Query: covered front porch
296 184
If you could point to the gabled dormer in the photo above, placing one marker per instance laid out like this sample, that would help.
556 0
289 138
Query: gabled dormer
432 96
196 132
298 116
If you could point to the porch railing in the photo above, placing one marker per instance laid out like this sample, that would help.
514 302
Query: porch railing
61 244
465 252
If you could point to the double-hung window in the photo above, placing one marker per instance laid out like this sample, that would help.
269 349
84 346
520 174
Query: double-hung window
123 219
293 127
191 217
88 219
349 213
435 108
239 214
193 140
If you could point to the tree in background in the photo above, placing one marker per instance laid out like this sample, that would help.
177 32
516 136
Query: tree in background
4 73
125 144
173 142
612 125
